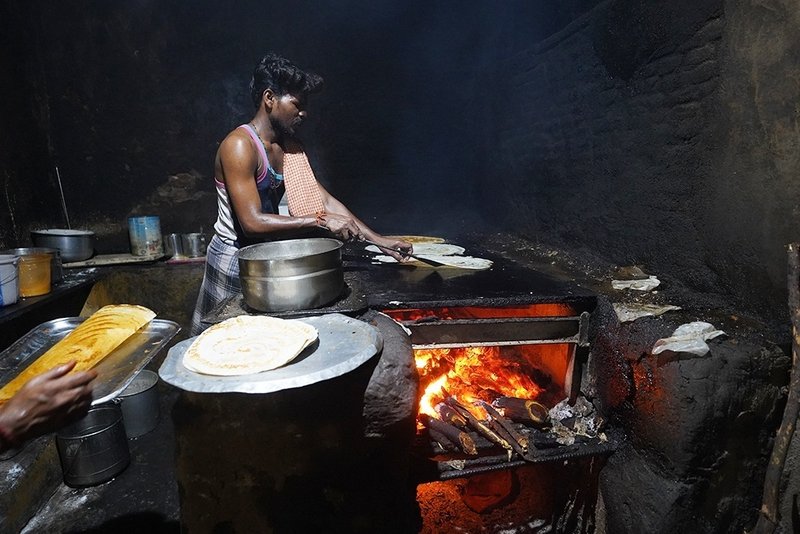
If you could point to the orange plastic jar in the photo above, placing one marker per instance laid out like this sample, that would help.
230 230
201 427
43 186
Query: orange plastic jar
34 275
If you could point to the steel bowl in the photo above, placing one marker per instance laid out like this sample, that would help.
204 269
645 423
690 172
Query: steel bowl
75 245
294 274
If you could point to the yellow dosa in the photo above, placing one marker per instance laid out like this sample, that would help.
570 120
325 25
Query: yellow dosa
88 344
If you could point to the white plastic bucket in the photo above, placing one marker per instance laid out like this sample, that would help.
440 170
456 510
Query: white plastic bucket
9 280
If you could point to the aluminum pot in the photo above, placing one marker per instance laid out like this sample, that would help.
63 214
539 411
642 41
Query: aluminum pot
93 449
75 245
295 274
56 272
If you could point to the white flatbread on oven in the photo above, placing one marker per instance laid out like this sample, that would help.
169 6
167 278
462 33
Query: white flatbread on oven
248 344
438 249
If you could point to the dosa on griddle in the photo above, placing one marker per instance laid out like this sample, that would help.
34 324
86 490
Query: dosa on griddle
88 344
424 249
416 239
248 344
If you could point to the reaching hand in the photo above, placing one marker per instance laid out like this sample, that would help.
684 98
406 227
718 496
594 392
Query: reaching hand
342 226
46 402
395 244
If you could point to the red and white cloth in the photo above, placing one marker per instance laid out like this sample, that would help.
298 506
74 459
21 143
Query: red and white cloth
302 190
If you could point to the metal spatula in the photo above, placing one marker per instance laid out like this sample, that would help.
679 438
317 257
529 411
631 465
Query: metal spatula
432 263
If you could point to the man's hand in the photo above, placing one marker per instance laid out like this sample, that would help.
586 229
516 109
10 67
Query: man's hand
395 244
342 226
47 402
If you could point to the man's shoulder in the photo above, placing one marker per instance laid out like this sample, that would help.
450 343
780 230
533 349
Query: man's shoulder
236 138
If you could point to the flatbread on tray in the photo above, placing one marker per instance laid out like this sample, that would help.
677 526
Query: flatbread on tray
438 249
248 344
457 262
90 342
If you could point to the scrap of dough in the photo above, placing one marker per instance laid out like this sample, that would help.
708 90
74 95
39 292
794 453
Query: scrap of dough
627 312
689 337
647 284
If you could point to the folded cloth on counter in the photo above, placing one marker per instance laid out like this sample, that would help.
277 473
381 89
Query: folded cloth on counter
690 337
303 195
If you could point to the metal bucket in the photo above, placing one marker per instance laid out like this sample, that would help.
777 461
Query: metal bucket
94 449
139 403
56 270
294 274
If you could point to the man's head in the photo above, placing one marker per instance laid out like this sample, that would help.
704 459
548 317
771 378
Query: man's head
282 77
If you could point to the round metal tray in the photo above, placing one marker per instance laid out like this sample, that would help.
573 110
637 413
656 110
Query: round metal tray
344 344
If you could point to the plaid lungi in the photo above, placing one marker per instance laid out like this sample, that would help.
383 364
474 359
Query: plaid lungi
220 281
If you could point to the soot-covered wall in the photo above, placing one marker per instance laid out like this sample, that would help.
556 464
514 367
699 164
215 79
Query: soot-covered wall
663 134
130 100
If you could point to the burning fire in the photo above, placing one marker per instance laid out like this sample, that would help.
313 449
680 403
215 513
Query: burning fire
472 373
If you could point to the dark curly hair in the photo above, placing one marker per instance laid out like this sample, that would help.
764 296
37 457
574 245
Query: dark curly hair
282 77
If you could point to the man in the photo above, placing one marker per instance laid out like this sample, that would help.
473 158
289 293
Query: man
45 403
255 164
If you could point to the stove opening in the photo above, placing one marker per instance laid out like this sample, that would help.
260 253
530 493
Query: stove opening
502 424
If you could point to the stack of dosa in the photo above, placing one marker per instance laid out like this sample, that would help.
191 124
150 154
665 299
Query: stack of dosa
90 342
248 344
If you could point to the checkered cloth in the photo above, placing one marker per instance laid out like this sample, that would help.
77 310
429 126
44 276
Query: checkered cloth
220 281
302 190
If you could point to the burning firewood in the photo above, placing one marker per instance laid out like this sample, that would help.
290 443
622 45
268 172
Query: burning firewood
476 424
450 433
522 410
504 428
449 415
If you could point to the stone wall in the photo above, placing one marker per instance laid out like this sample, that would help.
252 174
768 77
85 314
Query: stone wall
662 134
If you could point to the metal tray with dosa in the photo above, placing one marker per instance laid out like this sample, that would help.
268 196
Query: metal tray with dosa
114 372
343 344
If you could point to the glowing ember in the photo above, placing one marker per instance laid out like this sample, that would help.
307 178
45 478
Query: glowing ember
473 373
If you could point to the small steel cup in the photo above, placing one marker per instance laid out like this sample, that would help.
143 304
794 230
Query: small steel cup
194 244
173 245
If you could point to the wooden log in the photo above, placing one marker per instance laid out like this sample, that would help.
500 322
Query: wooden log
479 426
461 439
768 518
442 440
522 410
449 415
513 435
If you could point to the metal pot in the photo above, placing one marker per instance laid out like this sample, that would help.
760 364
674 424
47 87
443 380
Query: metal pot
294 274
56 272
75 245
93 449
139 403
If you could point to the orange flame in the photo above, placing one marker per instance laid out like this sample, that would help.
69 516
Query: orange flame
473 373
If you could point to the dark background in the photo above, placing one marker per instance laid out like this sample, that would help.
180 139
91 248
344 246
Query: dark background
656 133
